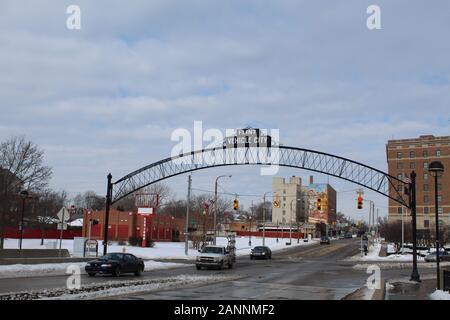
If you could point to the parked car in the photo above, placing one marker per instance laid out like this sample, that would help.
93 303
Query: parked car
325 240
443 256
341 237
115 264
261 252
348 236
214 256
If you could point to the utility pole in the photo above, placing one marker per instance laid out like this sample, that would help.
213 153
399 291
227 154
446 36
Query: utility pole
215 206
264 217
186 232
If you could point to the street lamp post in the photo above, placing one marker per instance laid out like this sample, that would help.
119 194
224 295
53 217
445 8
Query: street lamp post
215 206
436 168
250 232
24 195
264 217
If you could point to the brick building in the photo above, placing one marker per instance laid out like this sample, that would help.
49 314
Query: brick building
406 155
125 224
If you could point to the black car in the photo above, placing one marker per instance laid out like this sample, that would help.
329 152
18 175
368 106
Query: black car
115 264
325 240
261 253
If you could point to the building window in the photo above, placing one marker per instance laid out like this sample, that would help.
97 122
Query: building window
412 165
426 223
425 176
400 210
438 153
439 187
412 154
400 188
284 212
400 176
284 198
426 199
425 187
426 210
284 191
399 165
399 155
440 211
425 165
439 199
425 154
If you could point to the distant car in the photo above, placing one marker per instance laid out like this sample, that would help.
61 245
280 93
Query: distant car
348 236
341 237
115 264
325 240
443 256
261 252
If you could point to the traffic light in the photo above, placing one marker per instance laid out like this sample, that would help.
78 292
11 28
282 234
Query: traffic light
236 204
319 204
360 202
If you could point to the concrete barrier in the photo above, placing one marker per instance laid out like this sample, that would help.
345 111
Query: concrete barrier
33 253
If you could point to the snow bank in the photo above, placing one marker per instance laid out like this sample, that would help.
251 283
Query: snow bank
53 269
440 295
170 250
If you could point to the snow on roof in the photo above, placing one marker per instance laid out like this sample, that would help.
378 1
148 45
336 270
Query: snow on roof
76 223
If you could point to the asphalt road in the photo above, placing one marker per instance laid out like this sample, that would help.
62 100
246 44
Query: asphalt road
306 272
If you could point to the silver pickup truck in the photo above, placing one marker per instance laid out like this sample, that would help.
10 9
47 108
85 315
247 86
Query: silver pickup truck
214 256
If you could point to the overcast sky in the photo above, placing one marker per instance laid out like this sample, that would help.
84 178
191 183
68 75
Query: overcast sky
106 98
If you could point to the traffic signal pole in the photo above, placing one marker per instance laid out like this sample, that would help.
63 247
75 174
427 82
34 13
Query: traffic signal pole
109 190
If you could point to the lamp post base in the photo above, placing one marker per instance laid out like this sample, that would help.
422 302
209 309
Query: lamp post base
415 276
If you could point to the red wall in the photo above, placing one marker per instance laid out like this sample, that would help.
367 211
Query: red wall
271 234
14 233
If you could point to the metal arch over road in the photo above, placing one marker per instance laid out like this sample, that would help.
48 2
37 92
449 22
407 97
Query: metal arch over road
284 156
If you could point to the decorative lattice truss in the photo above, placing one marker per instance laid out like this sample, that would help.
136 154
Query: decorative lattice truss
284 156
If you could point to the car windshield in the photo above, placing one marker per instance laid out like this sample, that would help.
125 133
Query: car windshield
112 256
258 249
212 250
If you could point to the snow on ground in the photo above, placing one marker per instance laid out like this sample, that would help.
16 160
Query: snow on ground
440 295
374 251
36 270
115 288
169 250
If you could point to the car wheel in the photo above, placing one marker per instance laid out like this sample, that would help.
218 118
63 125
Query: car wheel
221 265
139 271
230 265
91 274
198 267
251 257
116 272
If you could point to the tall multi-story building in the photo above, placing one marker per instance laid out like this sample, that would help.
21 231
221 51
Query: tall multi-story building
326 195
287 200
407 155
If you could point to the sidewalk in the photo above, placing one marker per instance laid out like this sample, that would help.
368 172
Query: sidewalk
409 290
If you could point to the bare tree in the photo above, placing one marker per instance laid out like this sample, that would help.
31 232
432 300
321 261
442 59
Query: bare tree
89 200
21 167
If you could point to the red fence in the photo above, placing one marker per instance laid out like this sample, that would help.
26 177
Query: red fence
32 233
271 234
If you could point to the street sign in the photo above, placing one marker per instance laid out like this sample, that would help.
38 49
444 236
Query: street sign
63 214
64 226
